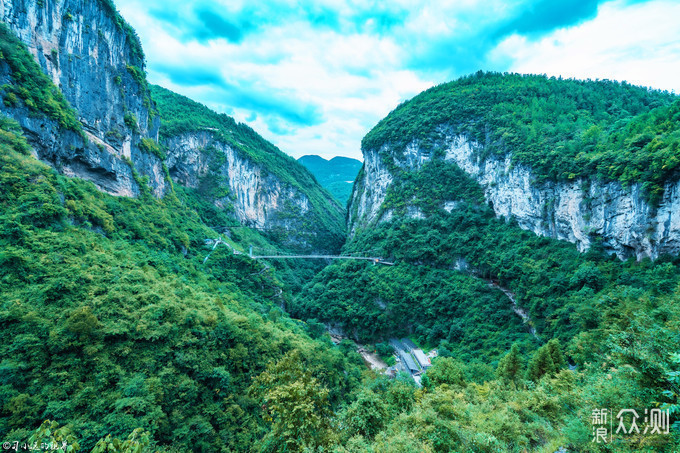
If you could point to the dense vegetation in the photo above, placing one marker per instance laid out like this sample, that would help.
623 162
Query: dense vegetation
128 330
336 175
180 115
609 315
563 129
111 322
132 40
549 278
474 321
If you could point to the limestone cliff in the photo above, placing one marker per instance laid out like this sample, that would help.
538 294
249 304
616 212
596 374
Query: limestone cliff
575 211
229 165
95 59
257 196
72 74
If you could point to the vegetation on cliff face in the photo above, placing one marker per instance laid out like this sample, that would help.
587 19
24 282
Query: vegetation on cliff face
549 278
135 45
562 129
30 86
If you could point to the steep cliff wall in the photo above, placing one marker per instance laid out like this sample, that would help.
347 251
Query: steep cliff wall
575 211
95 59
259 199
370 189
230 166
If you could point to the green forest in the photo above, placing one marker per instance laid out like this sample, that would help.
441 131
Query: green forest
127 327
111 322
609 319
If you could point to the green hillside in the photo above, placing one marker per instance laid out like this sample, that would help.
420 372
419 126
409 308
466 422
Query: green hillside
336 175
119 319
612 317
111 322
126 328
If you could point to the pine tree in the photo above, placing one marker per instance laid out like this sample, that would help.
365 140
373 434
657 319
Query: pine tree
510 365
541 364
556 354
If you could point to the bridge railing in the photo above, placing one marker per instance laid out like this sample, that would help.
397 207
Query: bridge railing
251 254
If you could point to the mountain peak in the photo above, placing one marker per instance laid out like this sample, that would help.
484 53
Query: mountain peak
336 175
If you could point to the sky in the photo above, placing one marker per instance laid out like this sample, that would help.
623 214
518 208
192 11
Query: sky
314 76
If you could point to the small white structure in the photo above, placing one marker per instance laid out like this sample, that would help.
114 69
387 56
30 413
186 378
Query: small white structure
422 359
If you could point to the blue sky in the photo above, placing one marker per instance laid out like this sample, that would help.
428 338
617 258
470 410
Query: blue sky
314 76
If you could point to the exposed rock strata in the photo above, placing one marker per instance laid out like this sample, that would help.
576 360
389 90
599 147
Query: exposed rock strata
201 160
87 54
575 211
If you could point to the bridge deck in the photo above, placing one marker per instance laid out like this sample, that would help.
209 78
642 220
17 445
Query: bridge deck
330 257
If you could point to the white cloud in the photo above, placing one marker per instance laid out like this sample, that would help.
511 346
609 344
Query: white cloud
355 79
638 43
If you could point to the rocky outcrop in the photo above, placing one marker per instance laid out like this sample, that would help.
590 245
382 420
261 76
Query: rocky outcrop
575 211
369 192
200 160
94 58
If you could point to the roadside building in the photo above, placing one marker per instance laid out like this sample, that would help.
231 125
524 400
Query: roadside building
418 353
396 344
422 359
408 362
408 344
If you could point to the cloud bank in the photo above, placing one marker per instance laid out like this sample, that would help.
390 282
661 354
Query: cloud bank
314 76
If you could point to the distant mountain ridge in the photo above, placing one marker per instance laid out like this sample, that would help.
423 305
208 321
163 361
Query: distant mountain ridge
336 175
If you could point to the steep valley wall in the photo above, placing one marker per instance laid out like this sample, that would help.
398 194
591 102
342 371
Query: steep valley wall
575 211
95 59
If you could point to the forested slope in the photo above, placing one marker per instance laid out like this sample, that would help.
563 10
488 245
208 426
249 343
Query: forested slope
615 321
231 166
111 322
563 129
114 322
125 317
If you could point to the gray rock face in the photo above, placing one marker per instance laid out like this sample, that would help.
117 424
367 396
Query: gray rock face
369 192
79 45
259 199
571 211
